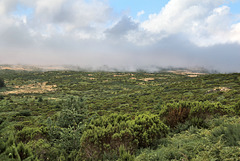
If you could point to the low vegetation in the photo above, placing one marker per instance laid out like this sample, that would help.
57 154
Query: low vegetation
79 115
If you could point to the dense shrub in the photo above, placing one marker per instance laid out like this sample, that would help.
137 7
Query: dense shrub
66 131
195 112
106 134
229 133
73 112
237 107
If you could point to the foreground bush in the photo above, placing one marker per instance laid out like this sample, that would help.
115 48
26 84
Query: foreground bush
107 134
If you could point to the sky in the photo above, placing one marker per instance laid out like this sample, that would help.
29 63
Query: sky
124 34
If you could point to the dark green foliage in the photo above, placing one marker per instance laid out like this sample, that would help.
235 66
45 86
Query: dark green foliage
2 84
2 119
237 107
198 122
69 118
125 155
40 99
67 130
23 151
1 97
24 113
10 140
70 139
192 123
2 146
73 113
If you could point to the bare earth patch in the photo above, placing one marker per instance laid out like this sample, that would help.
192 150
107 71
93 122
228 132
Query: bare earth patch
147 79
188 73
133 78
33 88
123 75
11 68
192 75
120 75
222 89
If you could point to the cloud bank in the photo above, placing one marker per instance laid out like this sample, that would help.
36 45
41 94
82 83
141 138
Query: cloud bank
186 33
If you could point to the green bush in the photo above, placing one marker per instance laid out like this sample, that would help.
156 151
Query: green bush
229 133
70 139
237 107
69 118
73 113
107 133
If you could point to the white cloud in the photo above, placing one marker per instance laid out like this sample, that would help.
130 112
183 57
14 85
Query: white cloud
177 15
140 13
50 17
203 22
235 33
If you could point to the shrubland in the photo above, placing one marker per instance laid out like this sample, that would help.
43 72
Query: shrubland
80 115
